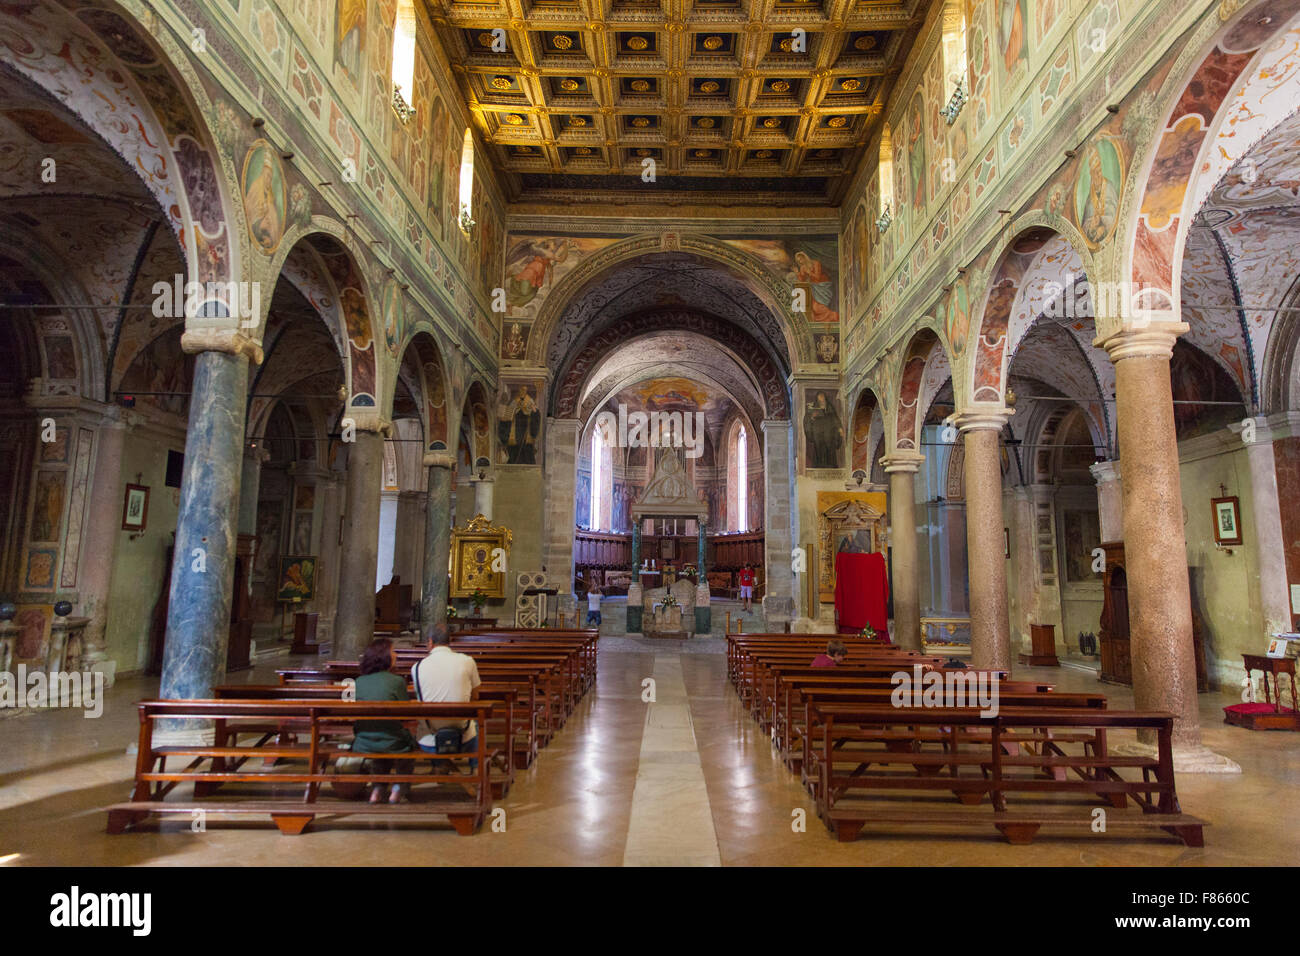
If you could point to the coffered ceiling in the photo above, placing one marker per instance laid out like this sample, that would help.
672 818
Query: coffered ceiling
735 101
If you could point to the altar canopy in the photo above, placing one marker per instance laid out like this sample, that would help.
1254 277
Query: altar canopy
861 592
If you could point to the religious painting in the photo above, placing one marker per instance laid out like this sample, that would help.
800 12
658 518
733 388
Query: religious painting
268 536
47 506
265 196
438 140
823 430
297 578
534 264
135 508
828 348
60 357
55 452
1082 534
478 558
163 368
40 568
304 498
1227 520
391 308
847 521
810 263
33 623
957 317
514 344
302 524
519 425
582 501
350 37
1013 37
916 168
1097 187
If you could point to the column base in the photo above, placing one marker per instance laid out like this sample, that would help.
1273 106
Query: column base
634 609
1195 759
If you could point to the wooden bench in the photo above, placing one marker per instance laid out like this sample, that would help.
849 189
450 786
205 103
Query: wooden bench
504 732
855 747
270 763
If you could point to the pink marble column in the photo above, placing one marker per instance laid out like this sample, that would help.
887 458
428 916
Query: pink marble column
985 541
901 466
1265 517
1155 548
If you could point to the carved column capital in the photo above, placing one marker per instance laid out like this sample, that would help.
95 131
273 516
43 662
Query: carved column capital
1155 340
230 341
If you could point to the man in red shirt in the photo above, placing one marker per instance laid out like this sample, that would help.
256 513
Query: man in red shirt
747 586
834 656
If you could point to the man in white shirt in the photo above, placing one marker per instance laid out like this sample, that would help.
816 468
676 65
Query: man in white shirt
593 607
445 676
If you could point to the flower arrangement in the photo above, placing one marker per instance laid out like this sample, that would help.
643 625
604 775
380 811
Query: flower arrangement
669 601
868 633
451 611
478 599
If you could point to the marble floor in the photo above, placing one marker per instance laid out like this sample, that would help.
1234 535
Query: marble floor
685 780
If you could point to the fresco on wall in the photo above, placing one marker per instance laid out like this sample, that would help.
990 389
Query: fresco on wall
162 367
519 424
1013 40
350 37
807 262
265 196
514 344
437 169
823 430
916 168
1098 185
534 264
391 307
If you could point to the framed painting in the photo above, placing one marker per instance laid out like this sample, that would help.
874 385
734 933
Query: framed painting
297 578
135 508
477 553
1227 520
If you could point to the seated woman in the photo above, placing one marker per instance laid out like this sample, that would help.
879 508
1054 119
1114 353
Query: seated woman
378 682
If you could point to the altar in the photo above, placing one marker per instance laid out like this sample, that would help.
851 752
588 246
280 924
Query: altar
663 599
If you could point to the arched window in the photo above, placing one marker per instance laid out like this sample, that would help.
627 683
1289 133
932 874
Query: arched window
885 168
602 491
738 478
467 182
404 60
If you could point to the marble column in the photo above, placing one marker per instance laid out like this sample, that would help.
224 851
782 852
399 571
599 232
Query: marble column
437 543
354 624
1265 519
103 524
198 613
483 495
990 628
901 467
778 535
561 507
703 612
1110 500
330 489
1155 548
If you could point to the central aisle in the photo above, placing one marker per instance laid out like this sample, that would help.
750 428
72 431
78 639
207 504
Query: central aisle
672 822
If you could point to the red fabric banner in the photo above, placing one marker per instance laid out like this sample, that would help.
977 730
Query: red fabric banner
861 592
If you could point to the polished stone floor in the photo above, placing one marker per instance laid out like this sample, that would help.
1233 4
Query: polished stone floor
687 779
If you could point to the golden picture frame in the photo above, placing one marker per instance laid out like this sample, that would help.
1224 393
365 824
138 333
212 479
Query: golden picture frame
477 558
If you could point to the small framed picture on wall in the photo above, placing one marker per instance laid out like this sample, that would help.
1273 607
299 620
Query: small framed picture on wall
1227 520
135 508
1006 542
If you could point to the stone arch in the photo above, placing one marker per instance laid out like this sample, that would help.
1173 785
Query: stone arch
329 276
925 360
434 394
566 391
1280 380
867 427
90 371
133 85
475 421
797 332
1206 116
989 357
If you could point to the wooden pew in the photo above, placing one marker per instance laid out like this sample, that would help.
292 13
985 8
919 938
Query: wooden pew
504 733
978 765
225 761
